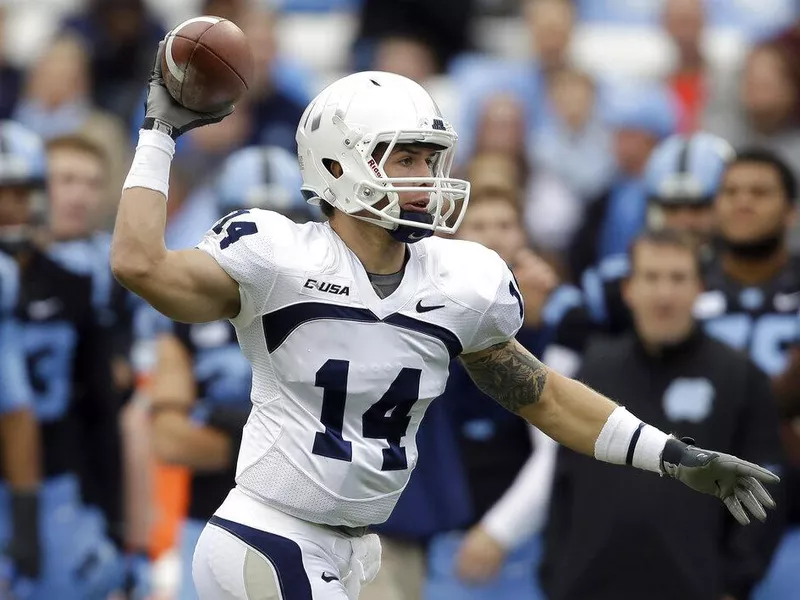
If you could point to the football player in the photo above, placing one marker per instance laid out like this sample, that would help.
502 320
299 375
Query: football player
77 182
72 396
349 327
681 179
201 385
752 297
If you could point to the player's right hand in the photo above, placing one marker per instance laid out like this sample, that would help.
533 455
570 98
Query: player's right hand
164 113
738 483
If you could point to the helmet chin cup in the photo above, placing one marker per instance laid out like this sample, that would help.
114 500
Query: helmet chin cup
409 234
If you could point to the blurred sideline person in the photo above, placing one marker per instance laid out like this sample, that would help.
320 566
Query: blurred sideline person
751 300
20 450
451 487
502 458
201 384
640 116
77 183
681 179
67 357
682 379
330 443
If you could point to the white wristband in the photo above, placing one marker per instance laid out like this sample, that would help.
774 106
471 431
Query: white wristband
151 163
625 440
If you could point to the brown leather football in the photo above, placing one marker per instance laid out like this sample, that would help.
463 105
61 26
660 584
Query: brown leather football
207 63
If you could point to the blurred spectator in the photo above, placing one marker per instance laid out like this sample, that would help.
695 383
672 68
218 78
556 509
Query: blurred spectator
233 10
478 79
10 77
769 104
68 364
641 116
501 129
551 211
503 460
684 22
575 144
276 95
751 301
77 172
605 519
56 101
120 36
681 180
412 58
433 33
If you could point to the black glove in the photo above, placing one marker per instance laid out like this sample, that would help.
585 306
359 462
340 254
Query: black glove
162 111
23 549
734 481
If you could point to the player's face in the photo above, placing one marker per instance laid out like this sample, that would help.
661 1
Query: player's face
76 186
15 206
661 292
495 224
696 220
411 160
750 205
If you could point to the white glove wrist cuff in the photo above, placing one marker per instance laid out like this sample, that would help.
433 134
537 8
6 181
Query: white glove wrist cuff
625 440
151 163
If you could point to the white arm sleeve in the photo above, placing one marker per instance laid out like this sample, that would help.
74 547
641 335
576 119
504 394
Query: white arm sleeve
522 510
244 246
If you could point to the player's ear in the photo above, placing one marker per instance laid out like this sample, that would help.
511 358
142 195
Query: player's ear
334 167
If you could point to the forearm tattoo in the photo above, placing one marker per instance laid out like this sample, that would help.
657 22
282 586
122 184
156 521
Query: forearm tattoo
508 373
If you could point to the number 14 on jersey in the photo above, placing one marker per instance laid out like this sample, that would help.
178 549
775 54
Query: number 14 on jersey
387 419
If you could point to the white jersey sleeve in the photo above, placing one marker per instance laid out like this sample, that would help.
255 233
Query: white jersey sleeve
248 245
498 299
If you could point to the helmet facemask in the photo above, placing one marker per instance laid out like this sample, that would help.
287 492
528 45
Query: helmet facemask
447 197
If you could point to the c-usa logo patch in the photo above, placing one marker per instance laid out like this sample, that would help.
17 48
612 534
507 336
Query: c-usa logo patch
689 399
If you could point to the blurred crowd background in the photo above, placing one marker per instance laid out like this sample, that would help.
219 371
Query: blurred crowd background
558 105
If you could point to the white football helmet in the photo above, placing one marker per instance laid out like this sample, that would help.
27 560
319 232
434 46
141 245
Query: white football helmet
345 123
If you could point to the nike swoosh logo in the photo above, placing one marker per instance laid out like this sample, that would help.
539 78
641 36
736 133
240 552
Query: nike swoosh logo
328 578
424 309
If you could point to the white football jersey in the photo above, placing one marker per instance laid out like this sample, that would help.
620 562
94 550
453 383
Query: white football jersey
341 377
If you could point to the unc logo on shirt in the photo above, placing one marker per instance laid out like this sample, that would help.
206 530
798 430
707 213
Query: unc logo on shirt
688 399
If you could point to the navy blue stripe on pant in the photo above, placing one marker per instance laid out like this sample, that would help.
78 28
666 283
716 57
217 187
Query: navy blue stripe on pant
284 554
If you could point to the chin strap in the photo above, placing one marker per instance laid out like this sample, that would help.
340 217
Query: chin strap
409 234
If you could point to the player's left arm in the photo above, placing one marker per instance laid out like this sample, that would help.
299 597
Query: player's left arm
588 422
564 409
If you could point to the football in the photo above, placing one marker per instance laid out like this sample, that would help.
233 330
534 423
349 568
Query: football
207 63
